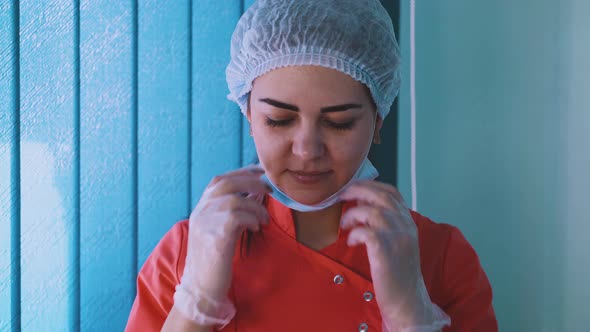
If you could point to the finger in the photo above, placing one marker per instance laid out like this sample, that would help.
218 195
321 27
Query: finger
238 184
239 220
250 170
373 193
377 184
387 187
383 186
230 225
365 215
236 202
361 235
246 170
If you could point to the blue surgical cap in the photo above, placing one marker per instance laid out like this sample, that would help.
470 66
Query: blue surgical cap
355 37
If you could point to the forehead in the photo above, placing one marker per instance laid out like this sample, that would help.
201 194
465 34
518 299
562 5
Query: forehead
312 83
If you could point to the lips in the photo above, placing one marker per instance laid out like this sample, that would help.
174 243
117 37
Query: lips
310 177
310 173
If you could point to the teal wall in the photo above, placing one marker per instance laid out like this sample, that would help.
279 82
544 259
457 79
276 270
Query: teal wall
503 141
575 156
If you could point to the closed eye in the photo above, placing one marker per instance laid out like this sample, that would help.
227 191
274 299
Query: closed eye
277 123
339 125
330 124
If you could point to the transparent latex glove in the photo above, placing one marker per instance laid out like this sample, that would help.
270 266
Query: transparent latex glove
225 210
383 223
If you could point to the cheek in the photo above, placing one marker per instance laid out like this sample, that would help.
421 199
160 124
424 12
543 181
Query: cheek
352 146
348 150
272 149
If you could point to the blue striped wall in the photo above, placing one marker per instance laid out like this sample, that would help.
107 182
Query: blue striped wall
113 118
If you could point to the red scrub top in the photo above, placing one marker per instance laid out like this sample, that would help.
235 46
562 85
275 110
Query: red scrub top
282 285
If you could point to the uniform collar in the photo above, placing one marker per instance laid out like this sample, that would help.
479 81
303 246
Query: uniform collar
282 216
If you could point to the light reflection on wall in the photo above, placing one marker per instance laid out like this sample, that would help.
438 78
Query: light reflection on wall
45 235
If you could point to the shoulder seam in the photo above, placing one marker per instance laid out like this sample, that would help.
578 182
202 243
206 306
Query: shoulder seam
446 253
182 236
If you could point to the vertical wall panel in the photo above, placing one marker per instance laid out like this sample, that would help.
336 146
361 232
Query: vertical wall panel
248 148
574 189
47 175
107 163
384 155
8 155
403 151
163 119
216 122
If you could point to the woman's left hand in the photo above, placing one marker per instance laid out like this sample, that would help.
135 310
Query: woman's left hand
383 223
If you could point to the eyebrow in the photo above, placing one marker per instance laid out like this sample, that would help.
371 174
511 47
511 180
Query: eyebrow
329 109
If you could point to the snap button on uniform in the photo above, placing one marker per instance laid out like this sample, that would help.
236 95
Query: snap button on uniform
338 279
368 296
363 327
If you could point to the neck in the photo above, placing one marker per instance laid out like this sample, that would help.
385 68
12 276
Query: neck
318 229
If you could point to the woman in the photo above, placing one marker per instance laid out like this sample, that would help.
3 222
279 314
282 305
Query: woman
309 239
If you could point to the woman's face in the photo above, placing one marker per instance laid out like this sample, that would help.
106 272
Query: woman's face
312 128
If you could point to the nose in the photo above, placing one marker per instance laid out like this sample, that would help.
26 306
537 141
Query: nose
308 143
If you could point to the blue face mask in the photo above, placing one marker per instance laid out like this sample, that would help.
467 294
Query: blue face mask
365 172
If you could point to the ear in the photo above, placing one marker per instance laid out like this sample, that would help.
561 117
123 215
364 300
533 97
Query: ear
378 125
248 114
249 117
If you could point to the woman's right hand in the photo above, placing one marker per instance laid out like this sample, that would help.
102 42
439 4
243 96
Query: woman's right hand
216 223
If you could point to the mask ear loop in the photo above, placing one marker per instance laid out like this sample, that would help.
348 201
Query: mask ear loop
413 103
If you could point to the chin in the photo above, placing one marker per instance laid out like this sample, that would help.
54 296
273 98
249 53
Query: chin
308 197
